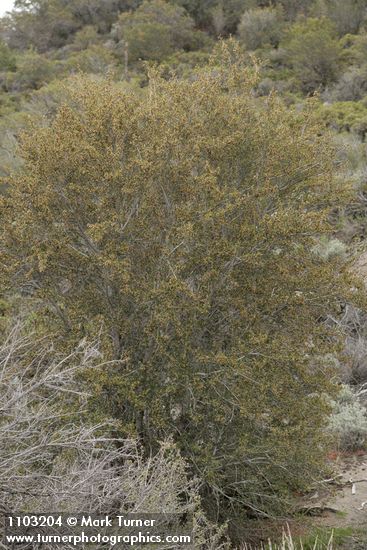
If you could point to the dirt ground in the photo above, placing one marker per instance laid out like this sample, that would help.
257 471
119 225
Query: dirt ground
342 503
336 505
349 494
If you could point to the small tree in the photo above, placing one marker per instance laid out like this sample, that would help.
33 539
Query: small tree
293 8
183 221
347 15
155 30
94 59
200 10
260 27
33 71
314 52
39 24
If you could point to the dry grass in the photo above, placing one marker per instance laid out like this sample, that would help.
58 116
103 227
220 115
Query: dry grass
288 543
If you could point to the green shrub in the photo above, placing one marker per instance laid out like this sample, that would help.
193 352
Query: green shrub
95 59
314 53
33 71
86 37
351 86
155 30
329 248
348 421
347 15
7 58
182 221
205 12
260 27
349 116
185 64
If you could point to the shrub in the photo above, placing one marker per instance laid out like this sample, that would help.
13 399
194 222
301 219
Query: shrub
268 85
7 58
155 30
43 26
53 458
351 86
182 221
347 15
328 248
11 125
294 8
33 71
314 52
260 27
185 64
350 116
354 325
206 12
95 59
348 421
43 104
86 37
355 49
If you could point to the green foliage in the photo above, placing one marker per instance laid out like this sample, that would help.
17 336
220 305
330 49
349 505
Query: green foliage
42 105
86 37
348 15
260 27
155 30
33 71
95 59
293 8
42 25
182 223
100 14
355 49
314 52
184 220
228 13
204 11
48 24
8 103
219 17
7 58
11 125
184 64
346 116
348 422
351 86
200 10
